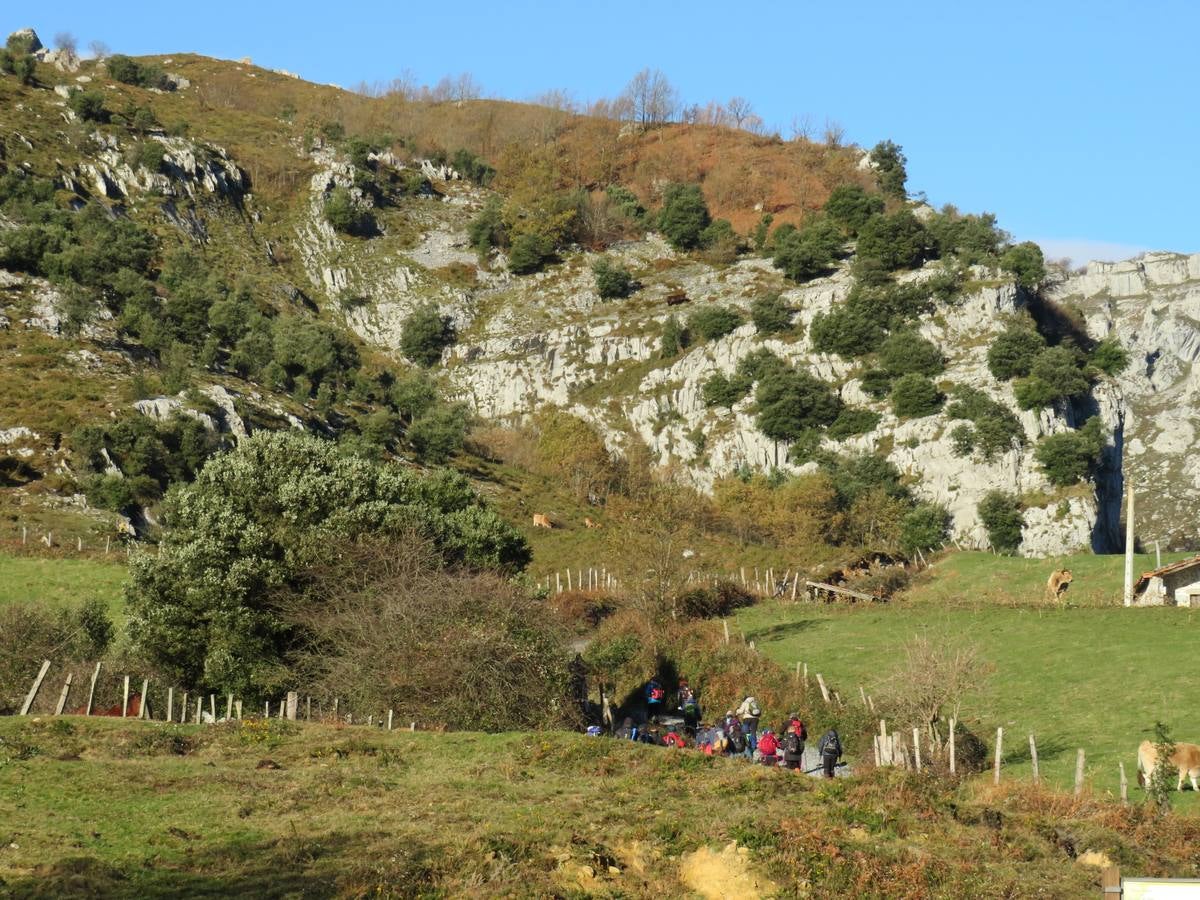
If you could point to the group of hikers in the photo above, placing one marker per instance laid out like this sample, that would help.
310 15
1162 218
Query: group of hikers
734 734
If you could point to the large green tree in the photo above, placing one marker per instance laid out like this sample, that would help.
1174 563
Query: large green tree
206 608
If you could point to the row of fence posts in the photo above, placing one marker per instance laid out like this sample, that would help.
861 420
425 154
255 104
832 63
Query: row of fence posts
890 748
47 540
288 708
596 578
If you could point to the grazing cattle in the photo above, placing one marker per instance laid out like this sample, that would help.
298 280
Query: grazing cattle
1056 585
589 522
1185 760
134 710
541 521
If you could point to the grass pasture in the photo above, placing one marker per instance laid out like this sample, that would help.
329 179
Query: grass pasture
1093 675
55 581
133 809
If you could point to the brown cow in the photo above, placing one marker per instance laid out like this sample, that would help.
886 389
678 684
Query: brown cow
1185 760
1056 584
540 520
132 712
588 522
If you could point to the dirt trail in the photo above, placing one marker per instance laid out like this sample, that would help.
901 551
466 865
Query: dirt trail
721 874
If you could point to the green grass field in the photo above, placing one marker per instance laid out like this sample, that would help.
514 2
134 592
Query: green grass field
1092 676
51 581
131 809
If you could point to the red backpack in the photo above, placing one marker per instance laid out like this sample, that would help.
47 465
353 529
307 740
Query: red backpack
767 743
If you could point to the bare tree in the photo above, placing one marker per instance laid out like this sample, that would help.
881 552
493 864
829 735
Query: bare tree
64 40
650 98
99 49
834 133
465 87
934 677
558 99
802 127
740 109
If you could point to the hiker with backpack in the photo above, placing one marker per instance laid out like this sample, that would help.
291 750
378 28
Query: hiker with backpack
627 731
689 707
793 747
655 697
735 737
749 713
768 744
830 748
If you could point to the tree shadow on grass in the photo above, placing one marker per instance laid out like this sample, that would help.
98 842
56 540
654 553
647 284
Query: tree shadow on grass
783 630
330 865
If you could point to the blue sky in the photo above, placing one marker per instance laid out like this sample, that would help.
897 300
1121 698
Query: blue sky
1075 122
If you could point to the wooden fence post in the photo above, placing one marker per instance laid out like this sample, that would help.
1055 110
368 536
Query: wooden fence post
1124 784
1110 881
1033 759
999 750
212 706
62 698
183 708
806 676
862 694
725 625
875 747
870 704
125 698
199 709
412 726
237 709
389 721
143 703
951 746
797 671
307 707
170 704
824 690
917 747
87 710
1079 772
228 707
293 701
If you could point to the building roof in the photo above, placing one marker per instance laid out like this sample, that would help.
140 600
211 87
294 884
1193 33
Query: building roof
1174 567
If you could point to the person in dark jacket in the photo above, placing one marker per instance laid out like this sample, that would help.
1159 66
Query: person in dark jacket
793 748
830 748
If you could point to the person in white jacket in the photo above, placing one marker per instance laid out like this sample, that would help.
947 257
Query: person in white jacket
749 713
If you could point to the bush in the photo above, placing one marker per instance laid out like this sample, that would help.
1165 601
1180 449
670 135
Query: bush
890 170
439 433
472 168
528 254
808 253
88 105
675 337
486 231
713 322
1109 357
850 207
24 67
898 241
972 239
385 624
760 364
771 314
206 607
1001 515
1055 375
1027 264
684 216
906 352
852 421
722 390
719 601
914 396
791 402
626 202
1013 351
612 280
997 429
149 155
861 476
129 71
876 383
344 214
1071 456
425 334
924 528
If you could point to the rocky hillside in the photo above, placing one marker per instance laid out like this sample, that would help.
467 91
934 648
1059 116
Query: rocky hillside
241 165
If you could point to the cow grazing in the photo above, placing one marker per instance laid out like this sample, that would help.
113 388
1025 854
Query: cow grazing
1057 584
541 520
589 522
133 711
1185 760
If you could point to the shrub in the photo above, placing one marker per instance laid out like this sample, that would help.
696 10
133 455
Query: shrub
1026 262
1055 375
713 322
906 352
1001 515
70 634
425 334
807 253
850 206
612 279
206 606
962 440
439 433
529 252
88 105
771 314
626 202
486 231
1109 357
149 155
762 363
722 390
1071 456
472 168
876 383
852 421
129 71
914 396
722 600
924 527
898 241
675 337
862 475
972 239
1013 351
997 429
24 68
684 216
890 170
344 214
791 402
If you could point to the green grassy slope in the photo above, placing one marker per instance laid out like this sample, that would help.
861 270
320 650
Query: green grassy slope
57 581
114 809
1096 677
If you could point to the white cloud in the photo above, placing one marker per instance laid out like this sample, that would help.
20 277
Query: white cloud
1081 250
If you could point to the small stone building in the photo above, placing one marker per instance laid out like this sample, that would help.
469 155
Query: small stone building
1175 585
